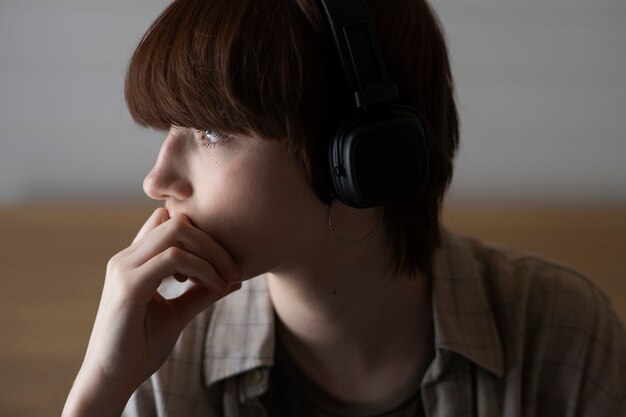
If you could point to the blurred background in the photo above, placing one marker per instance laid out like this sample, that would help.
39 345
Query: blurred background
541 96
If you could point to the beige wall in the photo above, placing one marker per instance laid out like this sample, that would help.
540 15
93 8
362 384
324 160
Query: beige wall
540 93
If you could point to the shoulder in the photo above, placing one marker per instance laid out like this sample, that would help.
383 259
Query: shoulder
535 292
523 288
559 333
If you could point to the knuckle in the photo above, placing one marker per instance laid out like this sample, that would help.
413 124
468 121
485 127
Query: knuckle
115 263
173 254
117 268
112 263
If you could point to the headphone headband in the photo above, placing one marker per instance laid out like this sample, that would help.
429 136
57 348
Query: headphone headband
374 157
359 52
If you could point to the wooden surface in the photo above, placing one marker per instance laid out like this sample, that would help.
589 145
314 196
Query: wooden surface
52 263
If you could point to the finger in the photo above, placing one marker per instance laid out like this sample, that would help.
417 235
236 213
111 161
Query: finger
179 232
159 216
197 299
176 261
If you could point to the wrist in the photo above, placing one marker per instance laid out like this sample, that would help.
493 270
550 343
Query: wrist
89 398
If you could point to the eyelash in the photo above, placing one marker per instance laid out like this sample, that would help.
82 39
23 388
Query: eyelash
204 143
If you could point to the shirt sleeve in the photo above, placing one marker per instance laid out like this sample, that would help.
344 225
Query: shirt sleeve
601 390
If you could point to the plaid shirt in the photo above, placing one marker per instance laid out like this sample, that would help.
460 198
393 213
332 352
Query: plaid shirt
515 335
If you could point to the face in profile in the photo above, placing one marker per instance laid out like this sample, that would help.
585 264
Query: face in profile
249 194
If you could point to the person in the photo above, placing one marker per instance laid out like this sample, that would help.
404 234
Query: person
254 291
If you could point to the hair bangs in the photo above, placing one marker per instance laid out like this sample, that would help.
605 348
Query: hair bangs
220 65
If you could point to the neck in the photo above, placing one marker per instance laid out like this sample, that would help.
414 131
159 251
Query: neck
342 318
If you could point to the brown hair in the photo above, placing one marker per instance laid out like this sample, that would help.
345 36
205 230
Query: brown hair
270 69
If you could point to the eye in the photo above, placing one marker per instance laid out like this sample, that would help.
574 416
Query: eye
211 138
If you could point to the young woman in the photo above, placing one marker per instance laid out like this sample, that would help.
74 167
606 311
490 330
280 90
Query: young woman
256 291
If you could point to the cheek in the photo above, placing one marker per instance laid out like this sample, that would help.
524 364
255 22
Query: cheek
261 213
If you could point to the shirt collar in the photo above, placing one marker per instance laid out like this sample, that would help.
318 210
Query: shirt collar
462 313
241 331
240 334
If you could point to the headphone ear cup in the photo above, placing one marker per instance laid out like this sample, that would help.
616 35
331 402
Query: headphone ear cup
375 160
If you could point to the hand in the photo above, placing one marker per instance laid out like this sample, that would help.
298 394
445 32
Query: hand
135 327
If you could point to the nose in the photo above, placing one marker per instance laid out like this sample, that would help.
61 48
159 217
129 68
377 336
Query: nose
167 179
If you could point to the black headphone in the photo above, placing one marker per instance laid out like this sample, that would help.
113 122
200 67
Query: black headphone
379 153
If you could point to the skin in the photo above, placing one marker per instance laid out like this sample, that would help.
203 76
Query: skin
234 211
